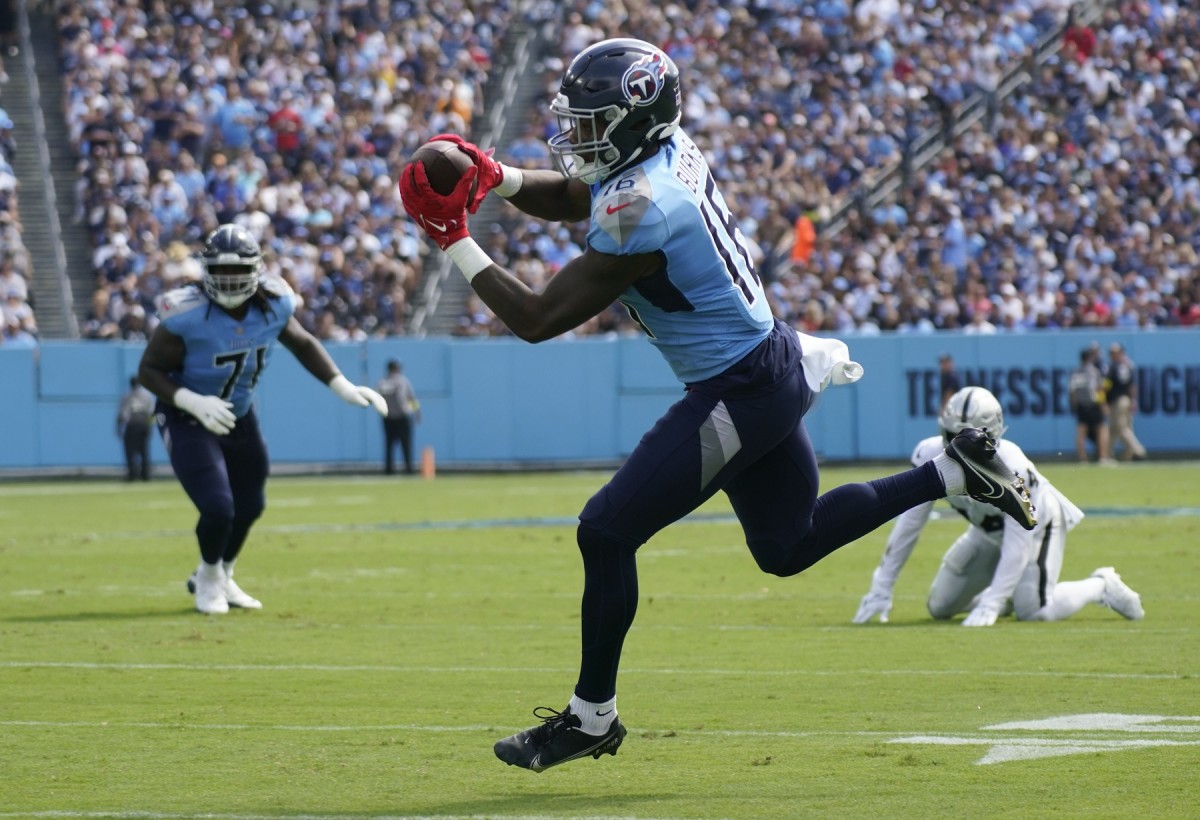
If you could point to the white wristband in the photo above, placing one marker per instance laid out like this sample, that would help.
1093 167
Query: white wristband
511 182
468 257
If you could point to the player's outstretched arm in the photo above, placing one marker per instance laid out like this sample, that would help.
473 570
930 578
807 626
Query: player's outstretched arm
316 360
549 195
582 289
585 286
900 544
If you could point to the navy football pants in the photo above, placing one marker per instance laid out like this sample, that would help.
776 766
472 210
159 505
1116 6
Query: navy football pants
224 476
757 450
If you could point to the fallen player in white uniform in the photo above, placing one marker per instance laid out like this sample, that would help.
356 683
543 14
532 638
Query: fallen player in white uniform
996 566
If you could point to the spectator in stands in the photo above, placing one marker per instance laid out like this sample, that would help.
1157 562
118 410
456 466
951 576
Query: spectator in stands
15 335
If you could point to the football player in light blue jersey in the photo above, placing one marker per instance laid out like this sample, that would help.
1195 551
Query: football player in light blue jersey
203 362
663 242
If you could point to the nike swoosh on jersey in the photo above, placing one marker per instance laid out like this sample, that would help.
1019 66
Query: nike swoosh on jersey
612 209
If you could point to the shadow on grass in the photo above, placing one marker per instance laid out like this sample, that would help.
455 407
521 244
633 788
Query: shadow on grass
542 805
96 617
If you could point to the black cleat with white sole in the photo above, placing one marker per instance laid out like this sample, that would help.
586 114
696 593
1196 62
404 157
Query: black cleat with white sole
557 740
989 479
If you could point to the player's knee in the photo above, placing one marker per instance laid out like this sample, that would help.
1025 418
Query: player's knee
940 607
249 513
775 558
593 541
215 507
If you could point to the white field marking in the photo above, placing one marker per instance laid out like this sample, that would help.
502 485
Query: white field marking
1006 750
409 727
208 815
1025 747
312 501
166 504
521 670
1106 722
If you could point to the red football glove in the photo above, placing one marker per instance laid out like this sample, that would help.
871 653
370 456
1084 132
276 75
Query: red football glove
443 218
490 172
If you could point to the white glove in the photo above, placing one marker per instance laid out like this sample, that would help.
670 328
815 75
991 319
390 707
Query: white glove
984 614
875 602
213 412
357 395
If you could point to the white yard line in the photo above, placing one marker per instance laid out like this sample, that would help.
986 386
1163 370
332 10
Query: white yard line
525 670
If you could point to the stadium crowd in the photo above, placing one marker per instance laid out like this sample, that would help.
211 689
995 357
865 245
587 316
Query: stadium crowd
1073 205
188 115
18 327
1046 215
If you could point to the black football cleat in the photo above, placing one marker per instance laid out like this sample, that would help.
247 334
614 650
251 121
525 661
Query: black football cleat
989 479
558 740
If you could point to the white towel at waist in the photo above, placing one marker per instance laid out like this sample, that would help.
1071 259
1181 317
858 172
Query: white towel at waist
826 362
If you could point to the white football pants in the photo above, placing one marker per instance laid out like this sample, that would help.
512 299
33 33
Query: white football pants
970 563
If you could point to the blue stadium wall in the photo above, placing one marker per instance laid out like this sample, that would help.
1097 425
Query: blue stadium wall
501 402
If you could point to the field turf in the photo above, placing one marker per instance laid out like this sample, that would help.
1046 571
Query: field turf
408 624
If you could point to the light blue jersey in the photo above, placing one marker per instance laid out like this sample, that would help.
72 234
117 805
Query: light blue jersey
707 309
224 356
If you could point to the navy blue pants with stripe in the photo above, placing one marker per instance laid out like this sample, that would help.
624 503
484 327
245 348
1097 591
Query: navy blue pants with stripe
224 476
741 432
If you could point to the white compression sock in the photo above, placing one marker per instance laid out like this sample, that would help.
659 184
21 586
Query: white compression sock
210 572
595 718
952 474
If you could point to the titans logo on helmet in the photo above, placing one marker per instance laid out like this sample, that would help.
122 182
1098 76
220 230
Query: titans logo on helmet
644 79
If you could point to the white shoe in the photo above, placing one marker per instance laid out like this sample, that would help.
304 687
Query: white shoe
236 597
1118 596
210 593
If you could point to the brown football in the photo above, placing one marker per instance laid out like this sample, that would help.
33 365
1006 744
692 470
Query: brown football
444 164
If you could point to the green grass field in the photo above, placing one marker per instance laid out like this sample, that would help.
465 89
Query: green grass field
409 624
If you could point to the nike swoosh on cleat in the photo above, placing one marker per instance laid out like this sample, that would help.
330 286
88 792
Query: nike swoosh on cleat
996 490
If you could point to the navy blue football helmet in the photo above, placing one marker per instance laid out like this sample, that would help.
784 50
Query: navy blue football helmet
618 99
232 264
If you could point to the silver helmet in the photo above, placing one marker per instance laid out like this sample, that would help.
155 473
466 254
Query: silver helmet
972 407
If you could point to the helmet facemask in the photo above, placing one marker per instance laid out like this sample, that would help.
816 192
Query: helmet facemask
230 284
232 264
582 148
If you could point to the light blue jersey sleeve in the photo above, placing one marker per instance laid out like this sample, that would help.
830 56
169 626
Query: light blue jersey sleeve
224 356
706 309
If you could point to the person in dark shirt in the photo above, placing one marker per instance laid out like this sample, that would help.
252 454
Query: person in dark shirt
1121 381
135 420
950 383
